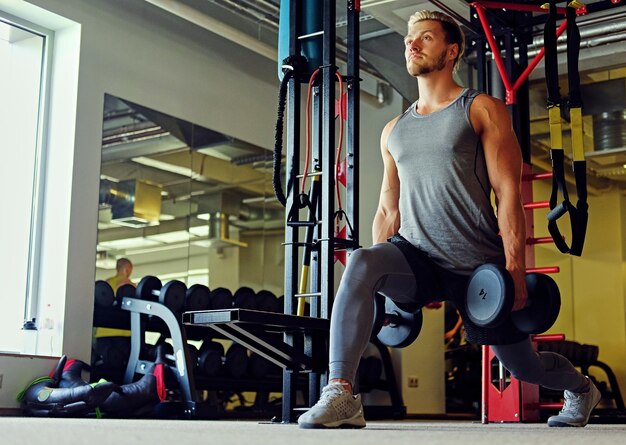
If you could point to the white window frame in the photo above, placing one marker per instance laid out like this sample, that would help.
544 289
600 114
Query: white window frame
36 217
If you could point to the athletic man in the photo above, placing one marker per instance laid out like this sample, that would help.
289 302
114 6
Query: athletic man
435 224
123 268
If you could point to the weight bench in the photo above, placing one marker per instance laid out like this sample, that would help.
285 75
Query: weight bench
294 343
256 331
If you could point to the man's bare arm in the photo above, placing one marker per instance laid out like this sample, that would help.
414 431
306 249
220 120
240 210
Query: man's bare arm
387 218
491 120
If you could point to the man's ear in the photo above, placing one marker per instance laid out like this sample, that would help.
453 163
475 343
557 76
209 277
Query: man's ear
453 51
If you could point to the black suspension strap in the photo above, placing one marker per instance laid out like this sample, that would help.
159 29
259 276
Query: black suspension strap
278 137
578 214
579 229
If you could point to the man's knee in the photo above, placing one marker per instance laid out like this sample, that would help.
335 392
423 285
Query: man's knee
362 266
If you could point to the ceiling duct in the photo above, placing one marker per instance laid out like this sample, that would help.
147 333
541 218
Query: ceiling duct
134 203
217 210
609 138
219 232
609 130
606 102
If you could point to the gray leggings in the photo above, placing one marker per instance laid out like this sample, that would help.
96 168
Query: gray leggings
383 268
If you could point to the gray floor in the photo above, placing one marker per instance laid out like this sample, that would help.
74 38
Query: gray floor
19 430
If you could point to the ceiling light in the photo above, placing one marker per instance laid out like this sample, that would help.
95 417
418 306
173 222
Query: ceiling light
128 243
166 166
170 237
199 231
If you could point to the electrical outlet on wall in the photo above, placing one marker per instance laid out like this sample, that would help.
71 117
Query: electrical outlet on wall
413 381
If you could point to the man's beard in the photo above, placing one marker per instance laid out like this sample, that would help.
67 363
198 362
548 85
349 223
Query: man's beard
427 68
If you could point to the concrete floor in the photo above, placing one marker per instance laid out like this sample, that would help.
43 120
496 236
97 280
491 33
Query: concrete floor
21 430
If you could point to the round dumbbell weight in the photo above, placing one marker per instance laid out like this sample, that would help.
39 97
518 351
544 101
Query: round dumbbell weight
267 301
198 298
260 367
114 353
236 361
281 304
104 295
194 354
370 370
491 294
210 358
395 326
221 298
125 290
172 294
245 298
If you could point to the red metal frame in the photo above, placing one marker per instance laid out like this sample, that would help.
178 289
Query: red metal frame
511 89
550 269
537 205
518 401
541 240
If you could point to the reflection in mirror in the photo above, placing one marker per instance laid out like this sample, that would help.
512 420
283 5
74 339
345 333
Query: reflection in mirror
185 202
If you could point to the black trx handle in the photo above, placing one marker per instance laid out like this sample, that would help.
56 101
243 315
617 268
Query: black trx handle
300 202
579 213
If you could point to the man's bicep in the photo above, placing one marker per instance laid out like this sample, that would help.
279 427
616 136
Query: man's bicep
389 189
502 151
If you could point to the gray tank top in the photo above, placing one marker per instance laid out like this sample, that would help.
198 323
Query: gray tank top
445 206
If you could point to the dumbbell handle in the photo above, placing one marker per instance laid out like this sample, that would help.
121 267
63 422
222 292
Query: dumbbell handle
392 319
156 292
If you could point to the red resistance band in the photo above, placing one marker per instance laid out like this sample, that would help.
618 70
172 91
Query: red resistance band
511 89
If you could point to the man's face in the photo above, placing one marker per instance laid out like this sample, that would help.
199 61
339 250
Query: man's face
425 48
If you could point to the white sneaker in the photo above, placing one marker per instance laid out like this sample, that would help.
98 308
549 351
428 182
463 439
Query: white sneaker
577 407
337 408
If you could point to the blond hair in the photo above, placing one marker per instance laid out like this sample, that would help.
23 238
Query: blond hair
451 29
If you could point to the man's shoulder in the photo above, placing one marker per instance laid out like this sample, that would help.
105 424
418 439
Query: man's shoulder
487 100
486 108
389 127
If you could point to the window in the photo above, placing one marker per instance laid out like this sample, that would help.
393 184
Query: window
24 55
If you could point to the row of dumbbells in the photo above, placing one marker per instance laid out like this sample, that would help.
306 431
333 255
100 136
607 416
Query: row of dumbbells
178 298
213 360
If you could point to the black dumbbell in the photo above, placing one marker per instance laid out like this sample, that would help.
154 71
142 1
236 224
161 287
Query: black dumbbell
236 361
395 325
491 294
221 298
172 294
194 354
370 370
210 358
104 295
267 301
125 290
245 298
198 298
260 367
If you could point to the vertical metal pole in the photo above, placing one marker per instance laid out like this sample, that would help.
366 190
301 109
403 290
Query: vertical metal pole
481 65
353 124
291 233
314 383
523 107
328 159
